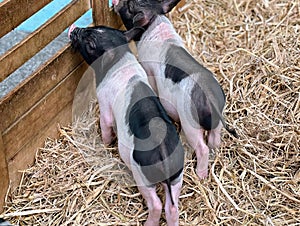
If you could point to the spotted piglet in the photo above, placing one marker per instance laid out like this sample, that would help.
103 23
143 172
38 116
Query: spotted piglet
147 140
188 91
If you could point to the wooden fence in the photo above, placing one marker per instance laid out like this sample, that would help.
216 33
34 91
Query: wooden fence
32 111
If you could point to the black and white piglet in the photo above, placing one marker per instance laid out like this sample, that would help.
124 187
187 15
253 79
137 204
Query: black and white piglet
147 140
188 91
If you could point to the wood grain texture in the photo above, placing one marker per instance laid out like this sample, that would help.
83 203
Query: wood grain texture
37 85
14 12
32 122
4 177
26 156
103 15
31 112
27 48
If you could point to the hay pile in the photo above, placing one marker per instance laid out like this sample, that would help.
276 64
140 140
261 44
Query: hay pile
253 47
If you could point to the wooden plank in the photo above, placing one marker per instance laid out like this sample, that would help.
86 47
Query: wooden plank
31 123
103 15
26 156
13 13
32 89
26 49
3 174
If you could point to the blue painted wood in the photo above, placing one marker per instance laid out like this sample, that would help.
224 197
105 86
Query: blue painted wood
39 18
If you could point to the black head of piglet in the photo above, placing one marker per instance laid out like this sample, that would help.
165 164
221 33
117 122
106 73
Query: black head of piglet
137 14
104 44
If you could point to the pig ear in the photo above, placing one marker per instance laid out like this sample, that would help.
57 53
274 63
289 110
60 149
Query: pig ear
134 33
168 5
91 47
142 18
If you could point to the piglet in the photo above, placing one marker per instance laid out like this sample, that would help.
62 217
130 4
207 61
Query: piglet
147 140
188 91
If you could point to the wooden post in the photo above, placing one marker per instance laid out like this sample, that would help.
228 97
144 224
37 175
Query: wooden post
103 15
4 179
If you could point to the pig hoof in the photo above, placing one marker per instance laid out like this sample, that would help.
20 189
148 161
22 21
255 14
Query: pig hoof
202 174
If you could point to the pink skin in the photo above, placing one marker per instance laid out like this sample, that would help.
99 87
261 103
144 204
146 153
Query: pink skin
172 213
154 205
111 113
115 2
107 121
195 136
72 27
214 137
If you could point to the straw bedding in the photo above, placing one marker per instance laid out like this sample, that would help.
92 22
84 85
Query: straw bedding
253 47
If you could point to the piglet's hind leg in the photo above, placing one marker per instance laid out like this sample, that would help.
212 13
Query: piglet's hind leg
196 140
172 213
202 153
154 205
214 136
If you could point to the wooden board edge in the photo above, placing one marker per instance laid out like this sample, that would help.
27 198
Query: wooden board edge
27 48
3 174
103 15
26 156
20 13
18 101
41 113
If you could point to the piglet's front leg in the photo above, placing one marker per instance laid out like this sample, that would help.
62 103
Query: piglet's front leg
106 123
106 130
